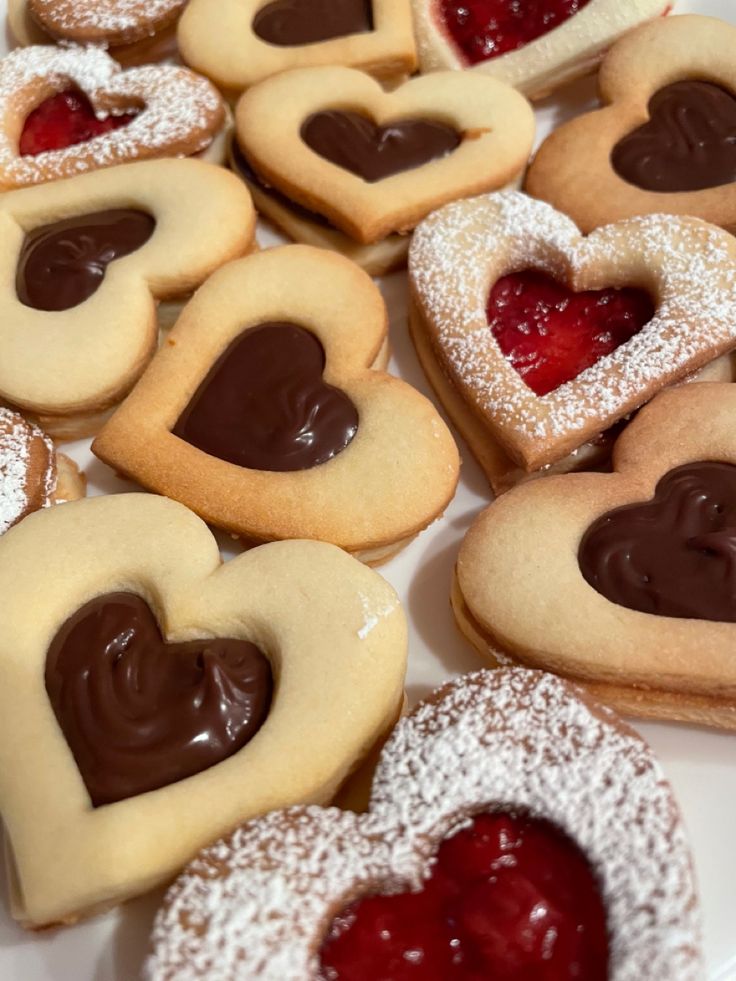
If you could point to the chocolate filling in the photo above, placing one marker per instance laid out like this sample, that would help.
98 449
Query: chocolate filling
289 23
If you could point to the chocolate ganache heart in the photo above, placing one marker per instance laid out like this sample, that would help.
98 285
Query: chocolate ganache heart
264 405
357 144
689 143
138 713
297 22
61 265
675 555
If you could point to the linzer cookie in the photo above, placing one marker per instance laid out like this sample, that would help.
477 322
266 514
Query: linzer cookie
267 415
154 682
70 110
517 829
238 43
664 140
621 581
379 167
84 262
536 47
133 31
538 339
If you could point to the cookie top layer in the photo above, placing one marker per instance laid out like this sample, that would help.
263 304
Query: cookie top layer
27 469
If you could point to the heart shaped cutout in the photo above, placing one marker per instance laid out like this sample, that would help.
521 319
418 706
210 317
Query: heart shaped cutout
642 609
463 764
63 120
289 23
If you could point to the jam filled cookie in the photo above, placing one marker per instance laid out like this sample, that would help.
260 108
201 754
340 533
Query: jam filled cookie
534 45
538 339
517 829
70 110
156 698
83 263
665 139
621 581
379 167
135 33
238 43
264 413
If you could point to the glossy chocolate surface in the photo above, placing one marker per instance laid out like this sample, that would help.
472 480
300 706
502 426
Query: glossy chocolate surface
290 23
265 406
357 144
139 714
674 555
689 143
61 265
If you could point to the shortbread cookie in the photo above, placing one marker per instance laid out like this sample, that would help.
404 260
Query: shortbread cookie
382 165
545 338
517 829
534 46
264 415
622 580
70 110
664 140
85 261
238 43
290 664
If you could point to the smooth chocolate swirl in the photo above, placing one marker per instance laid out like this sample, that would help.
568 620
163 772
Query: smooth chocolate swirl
296 22
264 404
63 264
373 152
139 714
674 555
689 143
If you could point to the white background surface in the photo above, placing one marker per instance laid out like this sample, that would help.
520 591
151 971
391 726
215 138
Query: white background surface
700 764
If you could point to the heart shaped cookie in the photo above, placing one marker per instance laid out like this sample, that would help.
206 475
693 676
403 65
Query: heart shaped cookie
238 43
264 413
104 22
374 162
664 139
122 757
83 270
550 861
653 300
621 580
536 47
171 112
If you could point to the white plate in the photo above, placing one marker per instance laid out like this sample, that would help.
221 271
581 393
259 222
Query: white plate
700 764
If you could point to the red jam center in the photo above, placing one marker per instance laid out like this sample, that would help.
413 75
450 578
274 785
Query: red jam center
508 898
550 334
485 29
63 120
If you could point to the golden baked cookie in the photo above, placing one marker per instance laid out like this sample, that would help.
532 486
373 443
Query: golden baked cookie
621 581
375 163
238 43
516 826
539 339
265 415
157 698
663 141
86 259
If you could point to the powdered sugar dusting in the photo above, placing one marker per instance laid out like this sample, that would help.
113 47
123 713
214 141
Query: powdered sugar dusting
16 438
373 614
258 903
182 111
113 16
690 267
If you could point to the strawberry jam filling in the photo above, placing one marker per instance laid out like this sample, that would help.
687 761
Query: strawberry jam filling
63 120
550 334
508 898
484 29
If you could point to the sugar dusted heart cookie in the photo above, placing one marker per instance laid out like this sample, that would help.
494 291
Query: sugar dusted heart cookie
622 580
375 163
83 270
559 853
533 46
258 683
542 339
664 139
266 414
